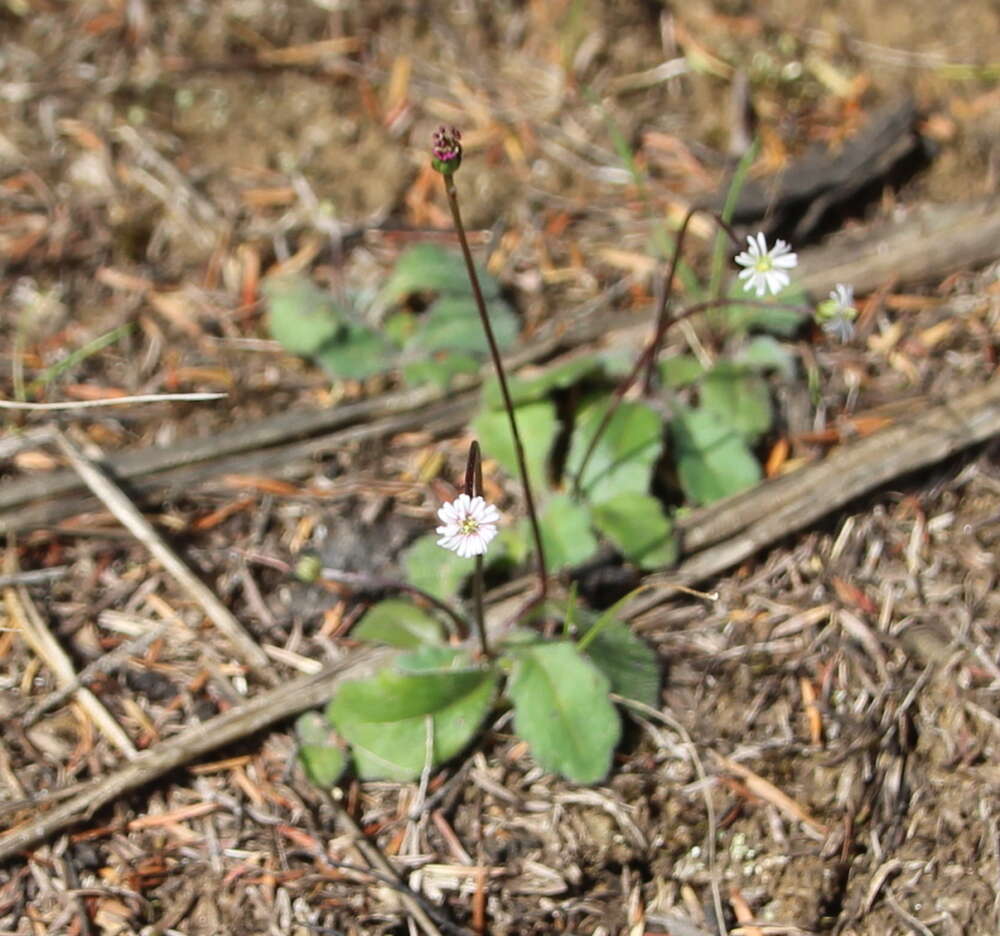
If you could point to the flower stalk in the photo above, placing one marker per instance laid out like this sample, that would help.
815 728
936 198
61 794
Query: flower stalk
663 322
648 357
447 156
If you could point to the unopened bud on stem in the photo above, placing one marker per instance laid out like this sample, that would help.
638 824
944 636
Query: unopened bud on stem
447 150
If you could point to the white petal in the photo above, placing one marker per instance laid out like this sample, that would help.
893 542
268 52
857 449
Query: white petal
447 513
754 281
776 281
788 261
469 547
843 296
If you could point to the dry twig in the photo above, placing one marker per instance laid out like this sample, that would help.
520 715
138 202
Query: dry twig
256 714
39 637
129 516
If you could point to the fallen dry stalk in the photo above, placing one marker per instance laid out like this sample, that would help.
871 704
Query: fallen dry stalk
31 625
129 516
731 531
256 714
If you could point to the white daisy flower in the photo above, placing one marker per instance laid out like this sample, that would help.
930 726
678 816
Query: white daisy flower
468 525
836 315
765 269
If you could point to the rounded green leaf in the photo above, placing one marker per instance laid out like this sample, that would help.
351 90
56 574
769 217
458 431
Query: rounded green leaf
638 527
764 353
398 624
712 459
738 397
355 354
400 722
425 268
561 708
537 387
629 663
625 454
299 315
680 370
566 534
322 758
453 324
538 427
434 569
439 370
400 327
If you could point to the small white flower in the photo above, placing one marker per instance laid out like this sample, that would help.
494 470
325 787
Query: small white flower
836 315
468 525
765 269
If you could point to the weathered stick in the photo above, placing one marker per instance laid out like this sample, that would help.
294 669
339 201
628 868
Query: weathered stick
367 419
927 245
256 714
738 528
734 529
245 647
36 633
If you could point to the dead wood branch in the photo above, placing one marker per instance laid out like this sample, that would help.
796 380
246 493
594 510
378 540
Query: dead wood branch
925 246
256 714
128 515
730 531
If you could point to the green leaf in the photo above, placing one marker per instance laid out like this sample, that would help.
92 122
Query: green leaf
566 534
512 546
431 658
426 268
629 663
439 370
680 370
398 624
300 316
529 389
434 569
355 354
561 708
625 454
538 427
780 316
739 398
712 459
426 708
321 757
399 327
765 353
638 527
453 324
